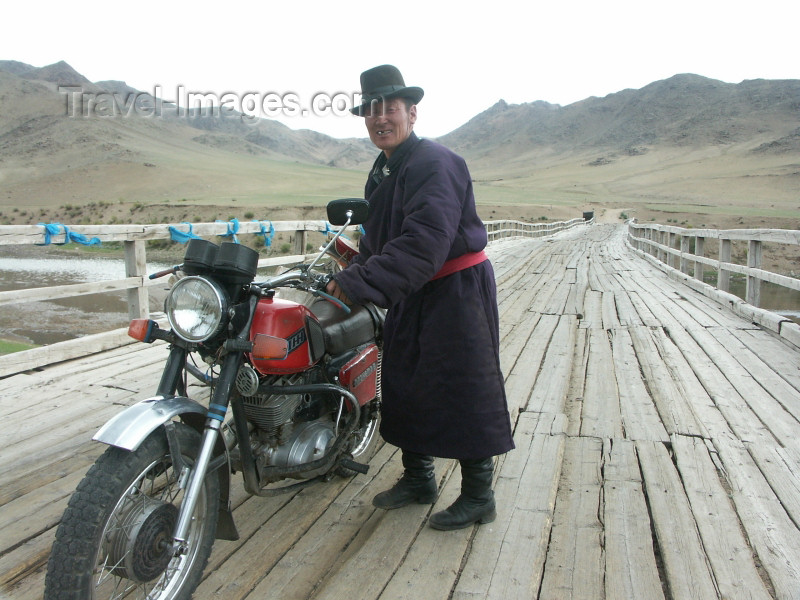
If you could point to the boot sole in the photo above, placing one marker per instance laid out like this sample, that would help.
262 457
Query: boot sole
488 518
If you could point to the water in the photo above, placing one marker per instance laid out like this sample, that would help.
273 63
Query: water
50 321
776 298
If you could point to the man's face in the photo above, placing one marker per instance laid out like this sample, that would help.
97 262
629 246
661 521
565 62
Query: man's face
389 123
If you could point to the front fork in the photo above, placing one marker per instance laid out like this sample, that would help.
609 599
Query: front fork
215 416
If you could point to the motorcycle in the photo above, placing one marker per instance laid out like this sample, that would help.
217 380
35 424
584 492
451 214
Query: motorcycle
294 400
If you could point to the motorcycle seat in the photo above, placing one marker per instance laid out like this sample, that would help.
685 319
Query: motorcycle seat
341 330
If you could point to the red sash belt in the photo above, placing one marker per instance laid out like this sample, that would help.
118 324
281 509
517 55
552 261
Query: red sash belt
465 261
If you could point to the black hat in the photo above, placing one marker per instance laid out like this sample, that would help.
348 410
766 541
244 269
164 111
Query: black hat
382 83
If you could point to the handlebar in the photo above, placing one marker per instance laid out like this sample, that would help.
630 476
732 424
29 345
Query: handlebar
169 271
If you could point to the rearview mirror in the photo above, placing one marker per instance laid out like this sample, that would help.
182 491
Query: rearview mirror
338 209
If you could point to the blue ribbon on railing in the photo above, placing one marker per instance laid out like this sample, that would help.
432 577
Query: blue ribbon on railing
180 236
51 229
361 229
268 235
232 229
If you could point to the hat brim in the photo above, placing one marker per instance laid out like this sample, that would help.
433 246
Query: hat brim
413 93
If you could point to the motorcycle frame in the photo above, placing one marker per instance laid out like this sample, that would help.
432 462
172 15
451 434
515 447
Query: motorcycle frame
128 429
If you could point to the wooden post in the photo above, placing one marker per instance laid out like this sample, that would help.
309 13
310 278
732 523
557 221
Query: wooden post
699 250
753 291
671 245
723 275
300 240
684 251
136 266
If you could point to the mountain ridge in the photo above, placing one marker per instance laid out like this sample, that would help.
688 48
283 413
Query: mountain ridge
686 140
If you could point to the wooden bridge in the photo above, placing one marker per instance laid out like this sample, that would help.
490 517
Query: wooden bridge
657 455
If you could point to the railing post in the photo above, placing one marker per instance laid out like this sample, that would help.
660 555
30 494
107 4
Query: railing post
723 275
684 262
671 245
753 290
300 240
699 250
136 266
655 238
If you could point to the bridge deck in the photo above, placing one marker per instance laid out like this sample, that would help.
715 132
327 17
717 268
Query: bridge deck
658 456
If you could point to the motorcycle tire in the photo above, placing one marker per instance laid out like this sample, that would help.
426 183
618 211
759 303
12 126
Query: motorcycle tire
115 536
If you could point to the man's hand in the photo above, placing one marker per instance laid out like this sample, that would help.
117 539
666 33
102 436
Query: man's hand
334 290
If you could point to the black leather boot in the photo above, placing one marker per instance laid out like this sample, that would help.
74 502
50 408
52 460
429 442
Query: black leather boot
416 485
476 502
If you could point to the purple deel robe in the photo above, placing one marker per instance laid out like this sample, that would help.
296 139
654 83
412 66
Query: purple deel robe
443 391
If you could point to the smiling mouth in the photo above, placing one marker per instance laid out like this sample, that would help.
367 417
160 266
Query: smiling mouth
384 132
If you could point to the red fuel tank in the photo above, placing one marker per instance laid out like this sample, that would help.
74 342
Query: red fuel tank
294 326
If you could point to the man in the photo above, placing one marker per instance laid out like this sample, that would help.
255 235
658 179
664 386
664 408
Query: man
422 258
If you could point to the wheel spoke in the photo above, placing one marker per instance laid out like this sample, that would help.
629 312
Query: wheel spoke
131 501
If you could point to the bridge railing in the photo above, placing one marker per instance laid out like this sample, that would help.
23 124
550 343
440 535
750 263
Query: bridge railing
497 230
136 283
684 250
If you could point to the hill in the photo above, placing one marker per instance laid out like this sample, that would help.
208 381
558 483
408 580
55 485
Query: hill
687 149
687 144
55 149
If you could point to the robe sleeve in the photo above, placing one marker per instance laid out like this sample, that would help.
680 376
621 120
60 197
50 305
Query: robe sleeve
433 194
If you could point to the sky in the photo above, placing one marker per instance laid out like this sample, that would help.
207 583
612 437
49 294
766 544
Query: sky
466 55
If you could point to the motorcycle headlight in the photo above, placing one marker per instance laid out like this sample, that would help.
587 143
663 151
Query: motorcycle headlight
196 308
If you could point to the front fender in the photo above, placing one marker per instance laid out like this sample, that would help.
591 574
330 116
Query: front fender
129 428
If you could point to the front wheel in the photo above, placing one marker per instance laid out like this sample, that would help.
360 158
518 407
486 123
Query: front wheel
115 537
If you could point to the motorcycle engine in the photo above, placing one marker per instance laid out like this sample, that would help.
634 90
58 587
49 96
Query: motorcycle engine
289 429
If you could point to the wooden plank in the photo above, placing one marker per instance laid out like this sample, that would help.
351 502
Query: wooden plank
518 339
575 559
771 532
728 552
609 310
508 556
769 411
577 382
698 407
68 291
601 411
626 312
642 309
781 469
550 390
378 548
592 310
734 413
315 548
44 355
630 564
431 566
759 368
640 420
672 406
280 522
521 379
781 357
679 545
